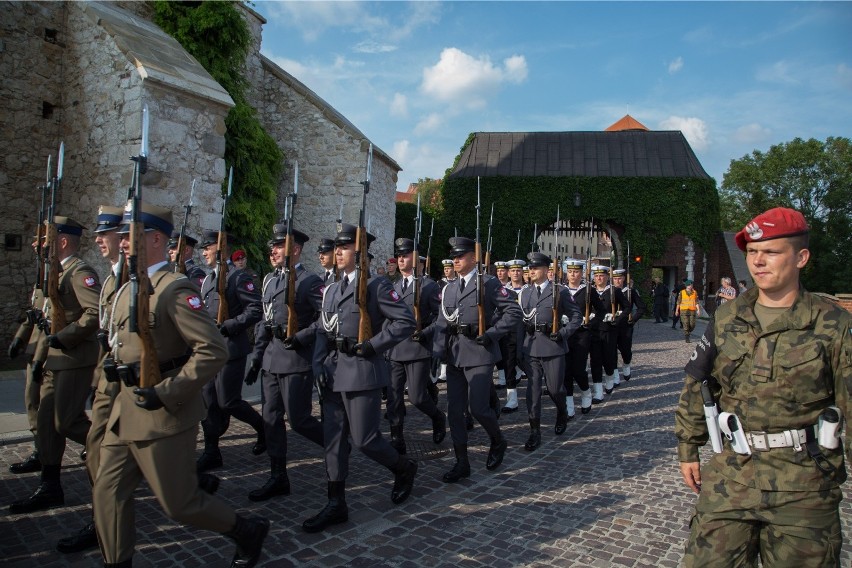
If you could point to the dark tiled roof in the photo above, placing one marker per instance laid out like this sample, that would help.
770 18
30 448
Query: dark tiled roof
588 154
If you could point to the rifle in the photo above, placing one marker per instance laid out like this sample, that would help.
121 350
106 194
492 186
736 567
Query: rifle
40 234
480 305
52 265
535 234
289 272
555 319
180 262
429 247
137 261
416 258
589 274
627 284
222 256
613 304
488 241
517 244
365 327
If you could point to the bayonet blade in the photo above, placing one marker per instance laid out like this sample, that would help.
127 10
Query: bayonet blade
143 150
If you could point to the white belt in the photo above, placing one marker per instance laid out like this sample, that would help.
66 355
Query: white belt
763 442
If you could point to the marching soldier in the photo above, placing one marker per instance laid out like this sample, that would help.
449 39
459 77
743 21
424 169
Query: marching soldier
151 431
325 250
449 272
502 272
286 361
580 342
194 272
510 374
71 357
603 353
625 329
471 353
223 395
543 348
107 239
411 359
32 344
351 375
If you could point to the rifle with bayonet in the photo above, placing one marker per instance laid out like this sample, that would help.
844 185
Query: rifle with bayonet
137 266
365 327
180 261
429 248
627 285
289 269
40 234
612 301
488 241
480 305
535 236
517 244
222 256
416 259
555 323
52 264
589 274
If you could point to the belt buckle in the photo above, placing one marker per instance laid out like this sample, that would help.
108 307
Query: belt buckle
753 437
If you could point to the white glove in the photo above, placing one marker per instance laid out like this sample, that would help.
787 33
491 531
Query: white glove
608 318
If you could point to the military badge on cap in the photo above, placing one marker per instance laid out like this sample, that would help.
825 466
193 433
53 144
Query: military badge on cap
773 224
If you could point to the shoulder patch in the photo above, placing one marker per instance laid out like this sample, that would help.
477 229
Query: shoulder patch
394 296
195 302
250 286
503 292
89 281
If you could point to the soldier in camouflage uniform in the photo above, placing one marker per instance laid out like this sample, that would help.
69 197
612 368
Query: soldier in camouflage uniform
780 359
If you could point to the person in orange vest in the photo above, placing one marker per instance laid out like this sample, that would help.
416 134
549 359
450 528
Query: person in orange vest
687 308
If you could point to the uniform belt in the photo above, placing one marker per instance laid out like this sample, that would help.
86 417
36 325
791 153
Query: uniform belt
763 442
469 330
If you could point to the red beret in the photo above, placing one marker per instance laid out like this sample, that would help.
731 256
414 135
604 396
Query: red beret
238 255
772 224
391 261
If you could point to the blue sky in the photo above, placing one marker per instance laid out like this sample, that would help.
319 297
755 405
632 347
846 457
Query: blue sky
416 78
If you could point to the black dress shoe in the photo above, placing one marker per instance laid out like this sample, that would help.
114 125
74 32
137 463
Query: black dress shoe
509 409
561 423
48 495
403 482
249 535
532 443
334 512
495 454
259 446
585 409
29 465
439 428
460 470
83 455
86 539
208 460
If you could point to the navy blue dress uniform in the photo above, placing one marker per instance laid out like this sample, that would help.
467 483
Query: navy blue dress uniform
328 273
195 273
151 432
68 368
544 351
223 395
603 355
471 355
411 359
625 329
286 363
351 376
509 366
579 345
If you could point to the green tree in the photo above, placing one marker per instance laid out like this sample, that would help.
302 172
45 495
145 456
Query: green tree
429 191
811 176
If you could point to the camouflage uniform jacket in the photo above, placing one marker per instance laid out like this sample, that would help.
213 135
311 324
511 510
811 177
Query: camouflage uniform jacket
776 379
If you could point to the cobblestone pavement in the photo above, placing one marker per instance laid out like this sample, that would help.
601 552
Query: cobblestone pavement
606 493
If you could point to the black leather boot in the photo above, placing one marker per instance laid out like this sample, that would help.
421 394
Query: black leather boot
48 495
562 419
29 465
439 427
334 512
461 468
496 453
403 480
534 441
85 539
397 439
277 484
249 535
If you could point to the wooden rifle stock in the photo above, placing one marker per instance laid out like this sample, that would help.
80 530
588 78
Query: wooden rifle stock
480 305
365 328
222 277
292 318
53 266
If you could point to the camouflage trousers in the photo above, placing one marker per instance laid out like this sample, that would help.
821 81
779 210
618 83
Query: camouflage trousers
734 524
687 318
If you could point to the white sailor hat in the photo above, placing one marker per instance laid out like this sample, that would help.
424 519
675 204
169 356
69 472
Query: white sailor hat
600 269
447 262
516 263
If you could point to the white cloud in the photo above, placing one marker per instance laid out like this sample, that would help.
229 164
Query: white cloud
676 65
399 106
752 133
694 129
400 151
372 46
314 18
429 124
779 72
460 78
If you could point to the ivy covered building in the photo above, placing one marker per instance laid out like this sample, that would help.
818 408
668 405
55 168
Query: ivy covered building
645 187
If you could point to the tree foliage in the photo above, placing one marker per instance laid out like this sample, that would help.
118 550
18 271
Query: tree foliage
218 37
811 176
